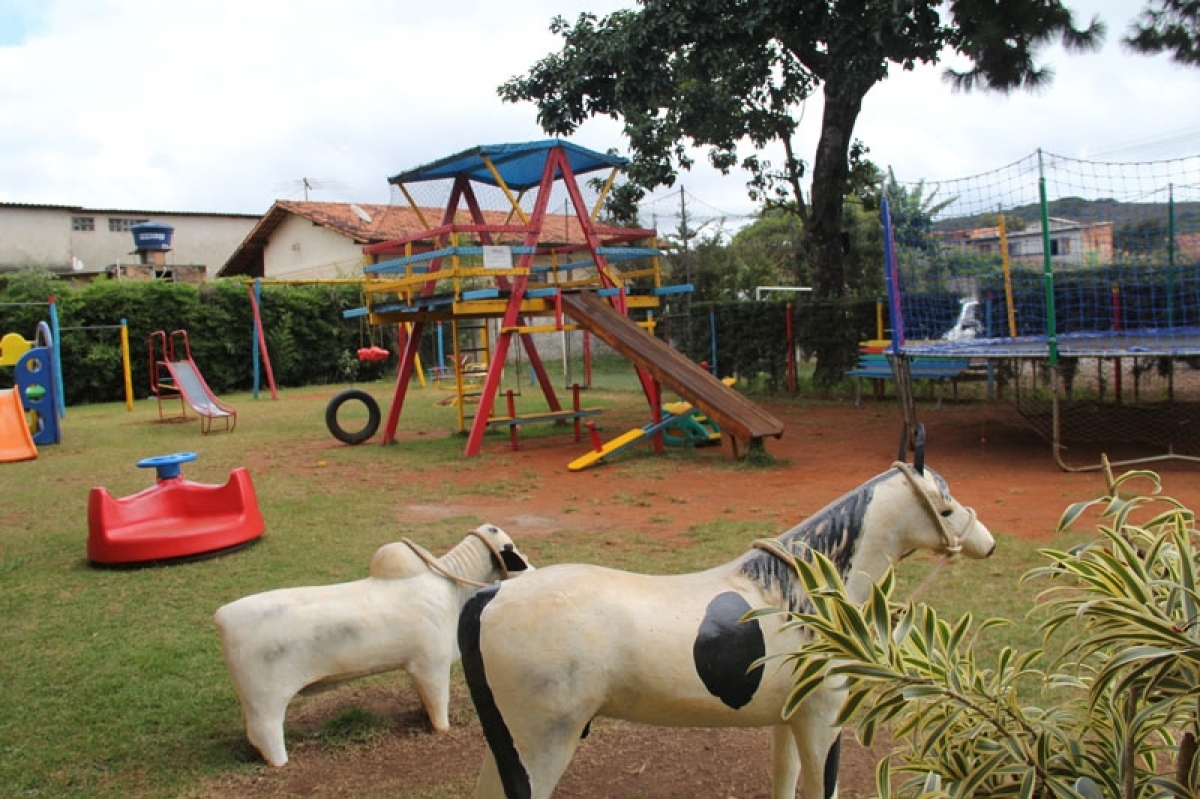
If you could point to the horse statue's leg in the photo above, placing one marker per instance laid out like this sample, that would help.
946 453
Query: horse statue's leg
530 746
489 785
537 775
814 728
785 763
264 726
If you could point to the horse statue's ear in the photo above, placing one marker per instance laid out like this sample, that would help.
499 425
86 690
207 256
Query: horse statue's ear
919 449
918 446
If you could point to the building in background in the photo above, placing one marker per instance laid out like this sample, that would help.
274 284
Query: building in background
86 243
307 240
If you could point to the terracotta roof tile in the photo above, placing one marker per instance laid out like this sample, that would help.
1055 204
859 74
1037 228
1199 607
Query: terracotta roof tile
375 224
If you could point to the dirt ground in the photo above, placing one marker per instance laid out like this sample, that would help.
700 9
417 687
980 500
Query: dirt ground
990 460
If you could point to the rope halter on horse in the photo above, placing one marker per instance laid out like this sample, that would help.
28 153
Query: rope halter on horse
435 565
939 510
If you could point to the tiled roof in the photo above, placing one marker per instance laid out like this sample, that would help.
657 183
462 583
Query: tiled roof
375 223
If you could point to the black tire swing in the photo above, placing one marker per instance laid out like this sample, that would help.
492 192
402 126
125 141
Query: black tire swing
334 424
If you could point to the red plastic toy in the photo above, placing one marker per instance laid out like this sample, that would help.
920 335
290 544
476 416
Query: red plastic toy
373 354
175 519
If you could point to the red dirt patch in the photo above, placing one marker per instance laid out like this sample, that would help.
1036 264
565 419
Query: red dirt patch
1006 472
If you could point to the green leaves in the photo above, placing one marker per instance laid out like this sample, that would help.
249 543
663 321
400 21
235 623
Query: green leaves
1169 26
1127 603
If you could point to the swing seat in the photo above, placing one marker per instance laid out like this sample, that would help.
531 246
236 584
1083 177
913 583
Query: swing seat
373 354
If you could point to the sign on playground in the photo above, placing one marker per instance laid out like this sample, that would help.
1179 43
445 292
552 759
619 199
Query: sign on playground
497 257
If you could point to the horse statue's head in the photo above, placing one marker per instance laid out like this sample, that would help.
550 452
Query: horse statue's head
960 531
935 521
870 529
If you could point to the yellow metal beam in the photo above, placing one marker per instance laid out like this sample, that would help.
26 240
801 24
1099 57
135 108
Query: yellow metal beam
603 193
504 188
416 208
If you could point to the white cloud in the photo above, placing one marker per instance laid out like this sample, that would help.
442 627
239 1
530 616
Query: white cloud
225 105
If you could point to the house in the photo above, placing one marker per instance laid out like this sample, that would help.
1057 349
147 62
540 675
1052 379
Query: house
86 243
1071 243
308 240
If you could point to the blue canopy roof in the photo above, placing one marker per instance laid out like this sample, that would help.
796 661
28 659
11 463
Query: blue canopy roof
519 165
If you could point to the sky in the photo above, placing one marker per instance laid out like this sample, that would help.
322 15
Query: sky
224 106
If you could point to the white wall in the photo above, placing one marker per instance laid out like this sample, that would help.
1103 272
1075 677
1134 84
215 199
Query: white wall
300 250
41 236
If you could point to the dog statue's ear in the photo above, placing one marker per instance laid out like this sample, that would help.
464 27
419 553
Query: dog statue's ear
513 562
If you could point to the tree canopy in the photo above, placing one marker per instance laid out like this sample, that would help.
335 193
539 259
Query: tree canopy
1168 26
724 74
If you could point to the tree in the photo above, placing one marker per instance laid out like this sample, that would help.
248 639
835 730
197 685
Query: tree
720 73
764 253
1171 26
912 212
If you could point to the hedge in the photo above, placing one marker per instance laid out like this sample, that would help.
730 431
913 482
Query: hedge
310 342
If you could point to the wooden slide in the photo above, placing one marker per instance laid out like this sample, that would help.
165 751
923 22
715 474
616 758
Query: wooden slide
739 418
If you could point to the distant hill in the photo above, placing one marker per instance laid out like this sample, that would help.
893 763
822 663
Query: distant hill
1077 209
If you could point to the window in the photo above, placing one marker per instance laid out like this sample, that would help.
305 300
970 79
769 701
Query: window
83 223
116 225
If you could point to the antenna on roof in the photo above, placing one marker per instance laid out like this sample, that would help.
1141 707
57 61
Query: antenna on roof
360 212
309 185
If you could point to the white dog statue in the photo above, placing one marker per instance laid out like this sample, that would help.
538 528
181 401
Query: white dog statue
404 616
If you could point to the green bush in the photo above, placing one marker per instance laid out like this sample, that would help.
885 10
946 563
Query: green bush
1118 711
310 342
308 339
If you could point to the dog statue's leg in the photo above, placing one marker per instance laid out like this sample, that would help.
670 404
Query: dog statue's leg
431 677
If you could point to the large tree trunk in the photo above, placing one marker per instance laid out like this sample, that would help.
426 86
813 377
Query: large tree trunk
823 231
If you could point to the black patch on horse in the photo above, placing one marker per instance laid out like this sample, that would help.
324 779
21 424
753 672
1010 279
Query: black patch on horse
725 648
513 775
832 761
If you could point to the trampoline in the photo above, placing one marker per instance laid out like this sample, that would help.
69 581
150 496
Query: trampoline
1076 285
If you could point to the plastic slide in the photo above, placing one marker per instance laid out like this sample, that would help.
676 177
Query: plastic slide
732 412
16 442
196 393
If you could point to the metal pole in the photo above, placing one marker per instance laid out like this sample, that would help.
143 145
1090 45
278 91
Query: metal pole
1047 267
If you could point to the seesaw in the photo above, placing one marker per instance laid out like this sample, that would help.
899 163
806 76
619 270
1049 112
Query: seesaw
681 424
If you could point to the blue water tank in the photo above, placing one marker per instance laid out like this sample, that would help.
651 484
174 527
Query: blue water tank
152 236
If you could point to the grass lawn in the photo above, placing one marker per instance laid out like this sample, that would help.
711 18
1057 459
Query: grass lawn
113 679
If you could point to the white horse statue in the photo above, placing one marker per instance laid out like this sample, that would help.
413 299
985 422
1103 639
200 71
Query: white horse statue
545 654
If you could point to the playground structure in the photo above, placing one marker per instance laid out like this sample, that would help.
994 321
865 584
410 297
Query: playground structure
173 520
29 410
174 375
477 264
1077 285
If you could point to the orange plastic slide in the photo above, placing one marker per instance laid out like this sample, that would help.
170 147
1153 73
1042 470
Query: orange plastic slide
16 442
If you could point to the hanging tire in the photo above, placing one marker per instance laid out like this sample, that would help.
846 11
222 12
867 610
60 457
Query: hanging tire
335 426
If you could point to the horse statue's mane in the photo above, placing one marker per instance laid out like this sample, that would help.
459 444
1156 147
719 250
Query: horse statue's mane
835 531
